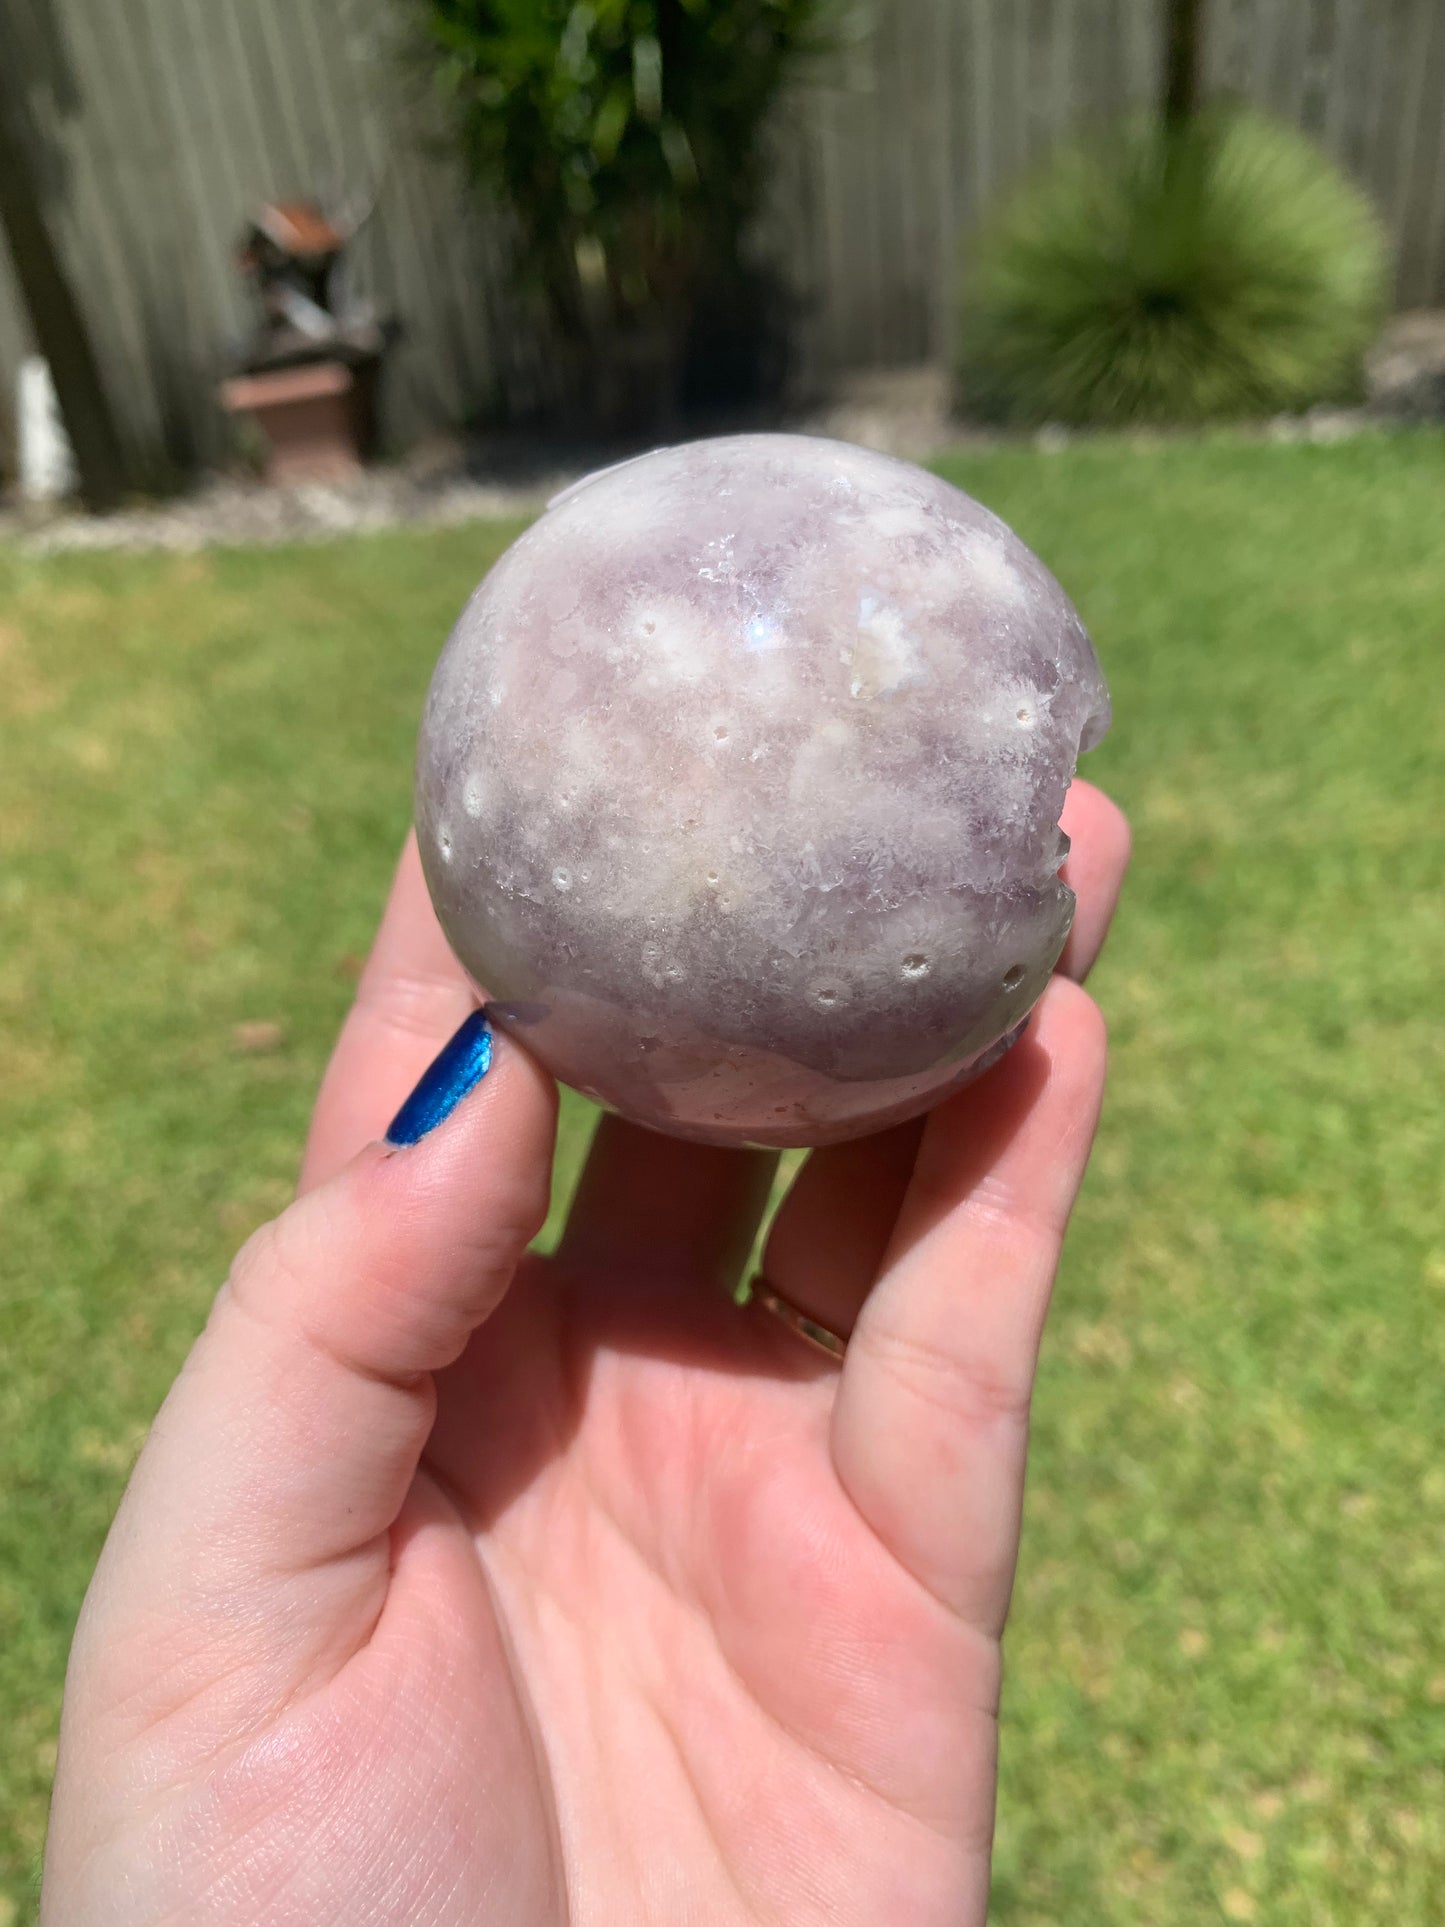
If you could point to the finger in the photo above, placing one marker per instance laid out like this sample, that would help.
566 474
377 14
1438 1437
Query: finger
1098 831
931 1420
650 1206
827 1241
261 1507
412 995
828 1238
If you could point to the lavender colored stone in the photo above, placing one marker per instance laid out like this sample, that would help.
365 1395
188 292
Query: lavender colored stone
739 787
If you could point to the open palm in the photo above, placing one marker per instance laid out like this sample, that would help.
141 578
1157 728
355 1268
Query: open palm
459 1586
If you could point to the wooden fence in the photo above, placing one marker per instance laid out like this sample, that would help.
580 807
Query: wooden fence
158 123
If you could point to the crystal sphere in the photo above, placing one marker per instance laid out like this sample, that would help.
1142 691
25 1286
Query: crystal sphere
739 784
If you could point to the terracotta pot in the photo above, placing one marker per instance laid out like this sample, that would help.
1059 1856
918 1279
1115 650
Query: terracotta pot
316 420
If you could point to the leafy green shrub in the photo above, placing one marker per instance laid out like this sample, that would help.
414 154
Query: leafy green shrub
1221 268
627 138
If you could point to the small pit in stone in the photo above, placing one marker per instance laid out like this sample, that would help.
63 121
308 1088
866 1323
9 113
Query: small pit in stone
915 965
720 734
444 844
561 879
1014 976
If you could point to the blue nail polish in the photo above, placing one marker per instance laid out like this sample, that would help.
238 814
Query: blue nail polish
456 1069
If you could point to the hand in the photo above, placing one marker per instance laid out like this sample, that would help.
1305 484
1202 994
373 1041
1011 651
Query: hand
456 1585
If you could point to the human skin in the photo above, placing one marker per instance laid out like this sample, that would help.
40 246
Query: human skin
456 1585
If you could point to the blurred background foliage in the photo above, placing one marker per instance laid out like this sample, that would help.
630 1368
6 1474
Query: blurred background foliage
628 140
1213 268
1199 262
628 214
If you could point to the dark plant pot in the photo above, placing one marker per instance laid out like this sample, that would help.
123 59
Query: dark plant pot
631 382
317 421
736 350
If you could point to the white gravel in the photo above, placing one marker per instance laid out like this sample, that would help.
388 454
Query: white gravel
225 513
899 411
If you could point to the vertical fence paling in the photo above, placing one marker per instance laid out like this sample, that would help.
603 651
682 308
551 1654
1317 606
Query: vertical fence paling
164 120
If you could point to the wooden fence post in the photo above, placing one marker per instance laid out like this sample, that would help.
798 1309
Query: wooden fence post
1183 60
54 314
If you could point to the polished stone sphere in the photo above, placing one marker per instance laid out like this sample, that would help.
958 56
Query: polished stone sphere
739 785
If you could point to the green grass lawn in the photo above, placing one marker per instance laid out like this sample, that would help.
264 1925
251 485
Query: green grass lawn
1226 1692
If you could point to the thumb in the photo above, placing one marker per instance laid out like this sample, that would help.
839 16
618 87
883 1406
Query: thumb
261 1506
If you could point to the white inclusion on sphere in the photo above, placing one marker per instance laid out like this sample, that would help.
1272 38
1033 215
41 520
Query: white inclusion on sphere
992 574
884 656
720 566
823 774
674 639
900 521
474 795
578 750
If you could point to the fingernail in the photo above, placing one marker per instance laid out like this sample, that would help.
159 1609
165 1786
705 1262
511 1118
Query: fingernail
456 1069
